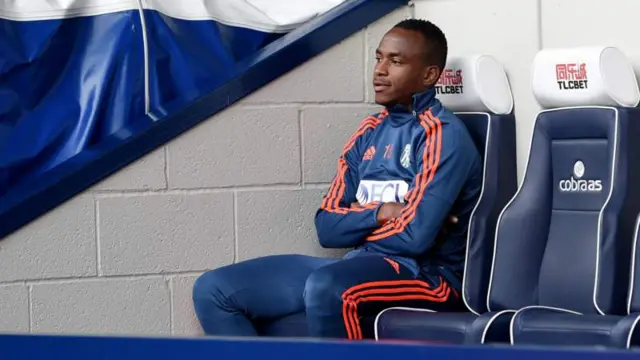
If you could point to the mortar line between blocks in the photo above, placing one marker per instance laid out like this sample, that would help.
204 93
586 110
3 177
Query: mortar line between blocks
236 247
301 139
96 209
81 279
166 167
195 191
539 23
365 68
171 310
30 307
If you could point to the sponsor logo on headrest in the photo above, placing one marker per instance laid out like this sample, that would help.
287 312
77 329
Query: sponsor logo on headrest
577 184
450 82
381 191
572 76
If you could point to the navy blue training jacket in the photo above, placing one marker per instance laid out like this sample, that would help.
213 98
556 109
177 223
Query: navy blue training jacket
423 157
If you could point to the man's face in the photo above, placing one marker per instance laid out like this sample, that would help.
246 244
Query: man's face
400 69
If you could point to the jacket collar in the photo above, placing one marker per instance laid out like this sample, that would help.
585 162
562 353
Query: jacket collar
420 103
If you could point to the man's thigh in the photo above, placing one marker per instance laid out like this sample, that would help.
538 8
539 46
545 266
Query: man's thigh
266 287
367 285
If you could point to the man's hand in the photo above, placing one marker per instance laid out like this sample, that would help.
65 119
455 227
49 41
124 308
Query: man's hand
392 210
389 211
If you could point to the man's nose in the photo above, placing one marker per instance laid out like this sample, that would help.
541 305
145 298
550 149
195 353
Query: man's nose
381 68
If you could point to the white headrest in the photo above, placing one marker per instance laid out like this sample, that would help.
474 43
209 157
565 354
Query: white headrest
475 83
584 76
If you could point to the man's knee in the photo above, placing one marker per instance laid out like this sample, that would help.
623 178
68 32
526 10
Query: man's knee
208 289
323 290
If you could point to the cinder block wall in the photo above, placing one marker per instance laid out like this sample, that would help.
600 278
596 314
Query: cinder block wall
122 257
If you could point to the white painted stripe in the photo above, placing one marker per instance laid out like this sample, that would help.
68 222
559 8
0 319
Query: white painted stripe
145 49
30 10
262 15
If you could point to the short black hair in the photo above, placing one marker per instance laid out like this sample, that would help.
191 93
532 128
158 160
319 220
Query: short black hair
436 47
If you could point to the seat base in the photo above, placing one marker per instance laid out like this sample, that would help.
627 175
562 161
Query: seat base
551 326
443 327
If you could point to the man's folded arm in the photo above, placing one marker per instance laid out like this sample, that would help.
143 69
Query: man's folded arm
444 165
340 221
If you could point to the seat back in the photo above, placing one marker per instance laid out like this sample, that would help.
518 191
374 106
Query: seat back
564 239
477 89
633 299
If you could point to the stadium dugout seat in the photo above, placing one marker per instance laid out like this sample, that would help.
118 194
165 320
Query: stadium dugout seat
562 244
576 215
477 89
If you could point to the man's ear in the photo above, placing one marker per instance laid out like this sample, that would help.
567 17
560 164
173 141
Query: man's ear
431 76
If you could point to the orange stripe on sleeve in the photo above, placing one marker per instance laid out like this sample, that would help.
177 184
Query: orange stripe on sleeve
430 161
331 201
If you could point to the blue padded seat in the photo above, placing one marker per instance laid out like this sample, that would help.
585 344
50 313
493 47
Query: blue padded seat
562 244
580 198
563 327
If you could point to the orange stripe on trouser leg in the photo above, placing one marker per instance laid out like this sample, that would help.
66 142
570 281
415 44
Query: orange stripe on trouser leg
349 321
394 298
394 265
350 298
439 294
387 283
405 296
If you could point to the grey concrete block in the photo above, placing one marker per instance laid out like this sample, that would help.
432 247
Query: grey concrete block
146 173
165 233
325 132
61 243
184 318
14 308
240 146
279 222
114 306
334 75
374 34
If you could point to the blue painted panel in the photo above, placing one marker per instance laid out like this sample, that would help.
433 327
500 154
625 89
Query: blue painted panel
34 195
33 347
66 85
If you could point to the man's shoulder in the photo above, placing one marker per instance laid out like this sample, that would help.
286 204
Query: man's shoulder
370 122
378 115
448 124
456 135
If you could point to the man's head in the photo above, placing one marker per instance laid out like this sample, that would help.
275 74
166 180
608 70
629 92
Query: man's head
409 59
